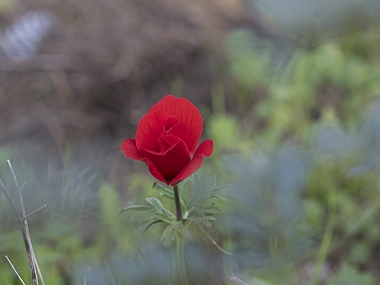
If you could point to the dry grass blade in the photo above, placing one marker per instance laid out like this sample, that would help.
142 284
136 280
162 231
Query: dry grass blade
23 223
15 271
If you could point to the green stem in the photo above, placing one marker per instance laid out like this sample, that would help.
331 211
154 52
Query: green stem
180 242
181 259
177 203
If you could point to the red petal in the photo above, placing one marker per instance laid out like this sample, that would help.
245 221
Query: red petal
204 149
172 162
150 128
167 142
190 124
130 150
154 171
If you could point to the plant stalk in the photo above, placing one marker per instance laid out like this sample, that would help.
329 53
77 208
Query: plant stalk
177 203
180 242
33 265
181 259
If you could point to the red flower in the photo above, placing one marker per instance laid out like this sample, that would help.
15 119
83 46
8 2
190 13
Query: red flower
167 138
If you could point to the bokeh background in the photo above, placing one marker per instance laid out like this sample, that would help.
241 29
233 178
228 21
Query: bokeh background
288 91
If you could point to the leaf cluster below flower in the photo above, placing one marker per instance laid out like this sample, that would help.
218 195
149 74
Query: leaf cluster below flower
196 195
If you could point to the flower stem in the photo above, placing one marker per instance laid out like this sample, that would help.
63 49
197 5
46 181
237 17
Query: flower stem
180 242
177 203
181 259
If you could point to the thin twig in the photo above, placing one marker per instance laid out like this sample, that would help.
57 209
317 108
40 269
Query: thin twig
14 175
33 264
213 241
33 212
10 200
38 268
15 271
21 220
29 251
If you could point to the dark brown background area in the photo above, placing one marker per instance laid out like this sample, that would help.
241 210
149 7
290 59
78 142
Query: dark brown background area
101 67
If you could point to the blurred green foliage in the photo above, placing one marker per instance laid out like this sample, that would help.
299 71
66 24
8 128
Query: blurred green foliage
331 84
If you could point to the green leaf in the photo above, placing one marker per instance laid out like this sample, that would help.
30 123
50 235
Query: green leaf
165 192
219 197
210 183
142 216
202 219
194 190
205 205
212 210
183 230
219 189
202 188
155 203
185 192
169 214
131 206
207 224
140 230
164 218
168 235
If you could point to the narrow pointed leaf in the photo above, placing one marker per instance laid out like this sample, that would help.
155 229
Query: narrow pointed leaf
168 235
164 218
183 230
140 230
169 214
219 197
212 210
165 192
131 206
142 216
155 203
205 206
202 219
210 183
221 187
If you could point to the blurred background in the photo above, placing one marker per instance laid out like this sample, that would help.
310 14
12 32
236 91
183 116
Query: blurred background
288 91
